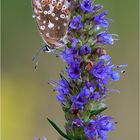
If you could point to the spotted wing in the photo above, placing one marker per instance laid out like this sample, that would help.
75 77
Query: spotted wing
52 18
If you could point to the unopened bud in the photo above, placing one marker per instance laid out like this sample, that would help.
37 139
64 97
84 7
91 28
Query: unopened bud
89 65
101 51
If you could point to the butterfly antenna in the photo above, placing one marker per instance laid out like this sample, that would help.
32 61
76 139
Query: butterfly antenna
36 57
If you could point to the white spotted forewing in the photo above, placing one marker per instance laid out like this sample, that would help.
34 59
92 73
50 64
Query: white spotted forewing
52 18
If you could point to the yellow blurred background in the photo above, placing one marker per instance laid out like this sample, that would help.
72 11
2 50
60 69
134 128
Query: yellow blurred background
27 99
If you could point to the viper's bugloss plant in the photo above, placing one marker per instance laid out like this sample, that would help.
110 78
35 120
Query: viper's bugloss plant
83 87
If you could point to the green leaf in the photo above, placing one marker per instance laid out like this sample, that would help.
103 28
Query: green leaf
61 75
91 32
58 129
86 119
97 111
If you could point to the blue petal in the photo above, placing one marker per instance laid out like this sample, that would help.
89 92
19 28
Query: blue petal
115 76
103 134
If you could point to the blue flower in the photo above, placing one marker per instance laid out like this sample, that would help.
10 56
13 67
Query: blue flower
62 88
102 134
106 123
97 7
75 41
77 122
86 6
104 71
100 71
91 86
76 23
105 58
105 38
71 55
61 97
99 127
84 95
100 20
82 98
74 71
77 104
85 49
96 96
115 76
90 129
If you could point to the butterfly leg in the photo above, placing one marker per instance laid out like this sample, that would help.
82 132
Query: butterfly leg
36 57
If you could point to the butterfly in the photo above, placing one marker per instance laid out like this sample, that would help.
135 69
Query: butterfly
52 18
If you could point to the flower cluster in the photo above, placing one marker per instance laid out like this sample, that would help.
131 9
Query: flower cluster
89 69
99 127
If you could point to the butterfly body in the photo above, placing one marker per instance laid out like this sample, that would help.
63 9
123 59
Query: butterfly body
52 18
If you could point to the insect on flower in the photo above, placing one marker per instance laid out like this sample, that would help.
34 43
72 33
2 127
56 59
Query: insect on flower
52 18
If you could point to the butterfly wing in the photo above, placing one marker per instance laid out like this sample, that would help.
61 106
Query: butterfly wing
52 18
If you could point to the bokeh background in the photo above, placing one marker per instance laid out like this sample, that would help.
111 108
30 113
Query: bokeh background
27 99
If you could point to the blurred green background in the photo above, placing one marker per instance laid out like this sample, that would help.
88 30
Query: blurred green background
27 99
